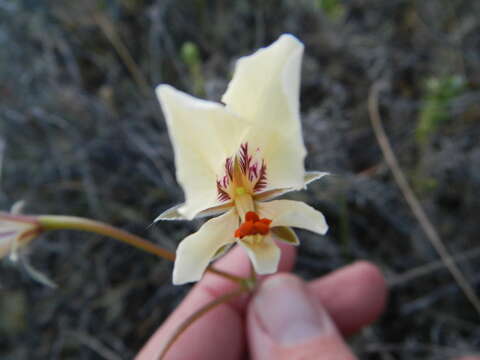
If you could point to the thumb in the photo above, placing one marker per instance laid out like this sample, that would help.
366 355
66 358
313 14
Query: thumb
285 321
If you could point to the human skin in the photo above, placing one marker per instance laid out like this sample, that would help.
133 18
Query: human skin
345 301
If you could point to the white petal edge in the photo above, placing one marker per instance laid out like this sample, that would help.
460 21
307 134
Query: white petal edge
203 135
312 176
174 213
265 91
294 214
264 255
196 250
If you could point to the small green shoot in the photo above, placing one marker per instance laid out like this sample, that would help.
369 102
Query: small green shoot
435 110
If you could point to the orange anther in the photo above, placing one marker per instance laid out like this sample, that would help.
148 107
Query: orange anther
245 229
261 228
251 216
253 225
265 221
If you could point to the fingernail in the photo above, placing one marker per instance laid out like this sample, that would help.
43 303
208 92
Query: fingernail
287 313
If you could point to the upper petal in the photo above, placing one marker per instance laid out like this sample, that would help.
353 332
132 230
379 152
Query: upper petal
196 250
203 135
294 214
265 91
264 255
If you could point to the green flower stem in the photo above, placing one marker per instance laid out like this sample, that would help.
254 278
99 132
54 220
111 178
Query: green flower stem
60 222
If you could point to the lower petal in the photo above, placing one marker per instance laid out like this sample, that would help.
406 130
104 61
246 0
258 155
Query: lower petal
196 250
294 214
310 176
264 255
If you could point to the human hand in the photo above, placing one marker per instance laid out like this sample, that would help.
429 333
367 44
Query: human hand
285 319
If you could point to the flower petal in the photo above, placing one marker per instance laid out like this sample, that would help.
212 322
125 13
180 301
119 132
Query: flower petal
264 254
310 176
9 233
265 91
285 234
196 250
294 214
174 213
203 135
6 241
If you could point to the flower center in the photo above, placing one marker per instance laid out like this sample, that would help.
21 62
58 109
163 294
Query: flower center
253 225
245 173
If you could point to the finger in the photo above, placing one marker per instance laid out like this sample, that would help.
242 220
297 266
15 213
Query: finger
354 295
219 334
286 321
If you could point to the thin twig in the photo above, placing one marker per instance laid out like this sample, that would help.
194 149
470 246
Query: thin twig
430 267
197 315
411 199
96 346
111 34
229 276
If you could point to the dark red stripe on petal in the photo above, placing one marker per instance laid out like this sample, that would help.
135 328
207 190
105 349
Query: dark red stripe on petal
262 178
222 193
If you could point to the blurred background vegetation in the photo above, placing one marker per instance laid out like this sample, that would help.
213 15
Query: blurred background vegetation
82 134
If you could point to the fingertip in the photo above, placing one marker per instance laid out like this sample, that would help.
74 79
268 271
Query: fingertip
354 296
371 275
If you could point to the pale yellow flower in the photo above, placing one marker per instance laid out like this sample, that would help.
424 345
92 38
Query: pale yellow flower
232 156
15 232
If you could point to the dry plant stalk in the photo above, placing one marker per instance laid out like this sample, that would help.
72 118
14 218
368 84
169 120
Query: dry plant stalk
412 200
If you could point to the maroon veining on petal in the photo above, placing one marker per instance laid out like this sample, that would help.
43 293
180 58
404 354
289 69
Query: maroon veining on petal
222 192
253 169
262 178
245 158
224 182
229 168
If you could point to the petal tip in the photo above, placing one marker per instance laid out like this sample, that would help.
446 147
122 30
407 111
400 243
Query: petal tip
325 230
172 213
180 277
163 89
288 37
